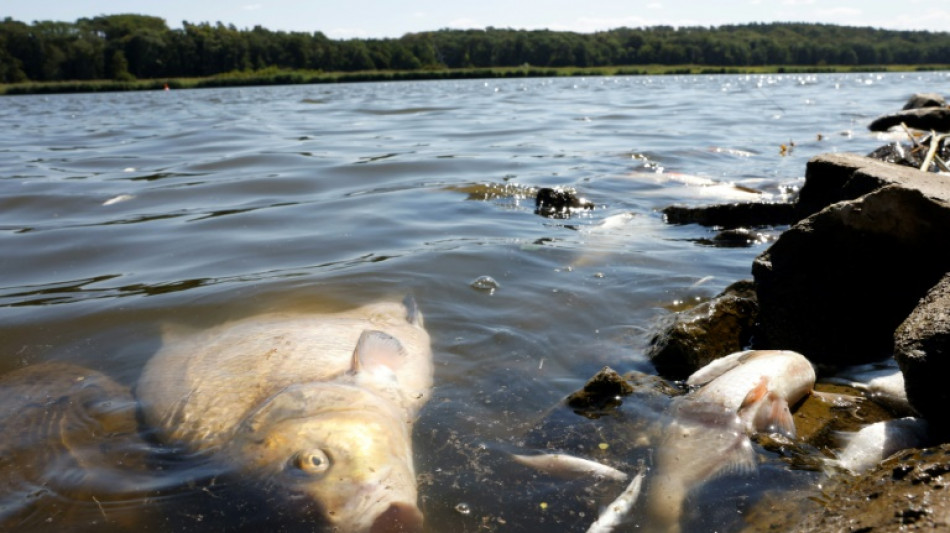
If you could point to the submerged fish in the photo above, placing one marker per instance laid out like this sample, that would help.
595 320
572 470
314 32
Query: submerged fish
758 385
69 444
315 408
703 440
569 467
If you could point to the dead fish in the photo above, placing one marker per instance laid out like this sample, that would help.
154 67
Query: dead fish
702 441
569 466
758 385
876 442
70 443
615 513
315 408
881 382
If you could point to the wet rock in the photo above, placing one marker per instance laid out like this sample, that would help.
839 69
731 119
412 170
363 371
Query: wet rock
706 332
906 491
921 118
922 349
925 100
731 216
601 393
835 286
558 203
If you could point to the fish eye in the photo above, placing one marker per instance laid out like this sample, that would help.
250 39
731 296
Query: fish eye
312 462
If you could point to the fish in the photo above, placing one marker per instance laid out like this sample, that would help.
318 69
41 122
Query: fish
615 513
315 408
883 383
702 441
69 444
569 466
873 443
758 385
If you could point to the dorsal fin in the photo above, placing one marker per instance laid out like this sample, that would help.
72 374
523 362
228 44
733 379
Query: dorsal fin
376 348
413 315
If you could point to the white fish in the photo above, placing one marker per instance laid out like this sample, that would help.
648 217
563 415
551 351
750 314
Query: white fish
614 514
882 383
314 409
569 467
758 385
876 442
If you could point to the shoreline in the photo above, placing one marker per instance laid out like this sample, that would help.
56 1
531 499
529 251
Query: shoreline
274 76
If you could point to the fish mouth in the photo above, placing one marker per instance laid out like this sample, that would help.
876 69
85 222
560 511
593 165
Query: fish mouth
399 517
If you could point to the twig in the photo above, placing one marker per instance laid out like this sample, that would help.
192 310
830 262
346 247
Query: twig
935 141
911 135
101 509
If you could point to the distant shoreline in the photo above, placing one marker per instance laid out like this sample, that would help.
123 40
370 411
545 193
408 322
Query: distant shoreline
273 76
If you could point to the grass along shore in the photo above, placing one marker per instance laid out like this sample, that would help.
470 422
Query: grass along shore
276 76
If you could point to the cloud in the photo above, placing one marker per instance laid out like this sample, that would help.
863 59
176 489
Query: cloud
251 7
798 2
654 5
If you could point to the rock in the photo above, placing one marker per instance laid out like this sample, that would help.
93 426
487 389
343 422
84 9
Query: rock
558 202
831 178
925 100
835 286
731 216
921 118
922 349
601 393
905 492
706 332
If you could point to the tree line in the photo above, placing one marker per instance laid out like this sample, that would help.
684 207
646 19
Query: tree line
129 46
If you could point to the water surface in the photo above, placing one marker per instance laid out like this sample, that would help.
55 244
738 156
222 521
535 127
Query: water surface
123 212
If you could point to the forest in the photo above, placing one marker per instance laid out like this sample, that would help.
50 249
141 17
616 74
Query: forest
128 47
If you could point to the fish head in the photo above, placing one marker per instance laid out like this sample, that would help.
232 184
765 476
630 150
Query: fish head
334 450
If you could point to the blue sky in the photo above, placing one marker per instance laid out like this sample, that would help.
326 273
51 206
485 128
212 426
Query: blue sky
342 19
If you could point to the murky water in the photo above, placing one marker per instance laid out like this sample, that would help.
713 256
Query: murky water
123 212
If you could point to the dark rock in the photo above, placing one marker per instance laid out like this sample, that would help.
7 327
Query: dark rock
731 216
706 332
922 118
835 286
922 349
558 202
925 100
601 393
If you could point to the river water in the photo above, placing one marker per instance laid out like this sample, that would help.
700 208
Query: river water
123 212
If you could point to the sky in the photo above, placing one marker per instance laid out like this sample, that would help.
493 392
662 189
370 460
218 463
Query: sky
346 19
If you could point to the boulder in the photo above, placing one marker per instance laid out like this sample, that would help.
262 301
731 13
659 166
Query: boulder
921 118
922 350
836 285
706 332
925 100
831 178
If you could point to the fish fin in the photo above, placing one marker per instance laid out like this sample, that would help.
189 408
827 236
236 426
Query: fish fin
376 348
774 416
413 315
755 396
